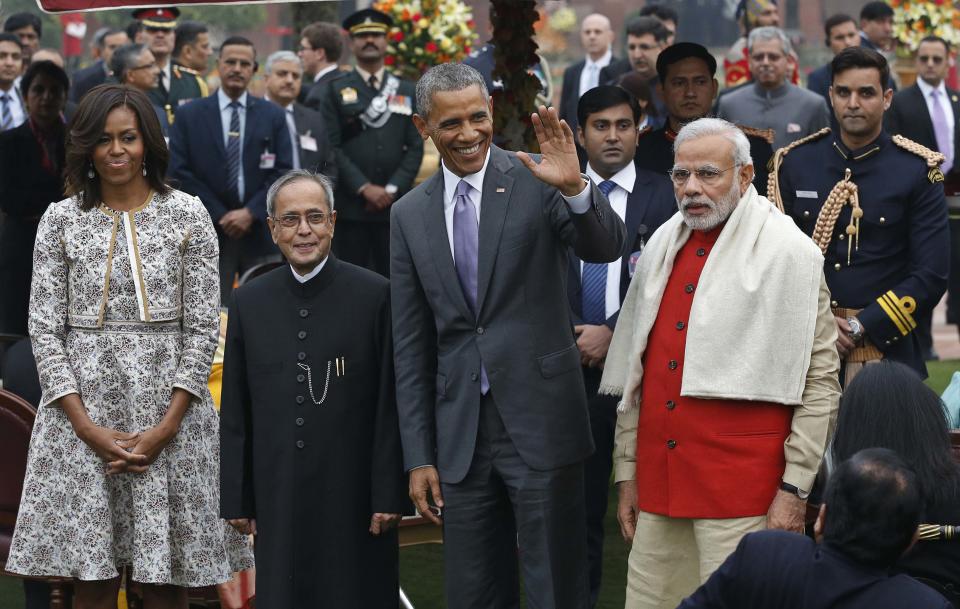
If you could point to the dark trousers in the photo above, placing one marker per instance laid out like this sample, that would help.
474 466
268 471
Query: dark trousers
953 281
596 470
503 503
365 244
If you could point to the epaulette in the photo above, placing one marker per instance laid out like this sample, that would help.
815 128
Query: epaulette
180 68
765 134
932 157
773 182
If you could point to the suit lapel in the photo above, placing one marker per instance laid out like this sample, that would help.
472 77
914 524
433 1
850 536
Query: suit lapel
215 124
924 113
435 228
954 98
497 188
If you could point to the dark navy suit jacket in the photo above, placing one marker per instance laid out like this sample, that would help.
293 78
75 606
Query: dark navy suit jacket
780 570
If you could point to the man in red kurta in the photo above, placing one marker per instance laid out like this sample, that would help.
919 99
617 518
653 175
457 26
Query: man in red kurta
727 372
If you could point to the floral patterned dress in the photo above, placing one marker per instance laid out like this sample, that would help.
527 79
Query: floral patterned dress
124 308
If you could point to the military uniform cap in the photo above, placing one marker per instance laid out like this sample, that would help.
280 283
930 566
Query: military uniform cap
367 21
680 51
163 17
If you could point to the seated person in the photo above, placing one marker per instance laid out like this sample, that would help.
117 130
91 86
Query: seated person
868 520
887 405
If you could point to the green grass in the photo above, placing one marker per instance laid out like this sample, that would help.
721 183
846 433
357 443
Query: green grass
421 567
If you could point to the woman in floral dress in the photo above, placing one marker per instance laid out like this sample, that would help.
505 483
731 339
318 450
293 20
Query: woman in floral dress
123 467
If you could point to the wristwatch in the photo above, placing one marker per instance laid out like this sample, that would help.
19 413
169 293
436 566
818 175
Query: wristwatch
856 329
785 486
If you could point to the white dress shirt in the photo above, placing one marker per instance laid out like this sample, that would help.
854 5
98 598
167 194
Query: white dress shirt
624 180
18 110
578 204
380 74
166 70
311 274
590 76
292 128
225 113
947 106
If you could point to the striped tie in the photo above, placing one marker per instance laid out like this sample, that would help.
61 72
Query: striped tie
594 281
233 149
6 115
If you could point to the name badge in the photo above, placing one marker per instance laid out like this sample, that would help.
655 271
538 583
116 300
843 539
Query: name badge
268 160
632 263
793 128
807 194
400 104
308 142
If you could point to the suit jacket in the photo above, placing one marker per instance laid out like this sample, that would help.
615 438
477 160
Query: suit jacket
909 117
570 92
310 123
819 81
198 159
789 571
311 94
86 79
612 73
649 205
521 331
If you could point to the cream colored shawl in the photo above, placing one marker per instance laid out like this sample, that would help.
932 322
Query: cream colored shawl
751 326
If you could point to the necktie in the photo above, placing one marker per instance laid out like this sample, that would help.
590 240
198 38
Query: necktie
6 115
594 282
373 82
941 130
233 148
466 233
593 77
294 137
161 82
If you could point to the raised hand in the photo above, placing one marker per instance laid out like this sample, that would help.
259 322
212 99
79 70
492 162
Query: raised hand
559 166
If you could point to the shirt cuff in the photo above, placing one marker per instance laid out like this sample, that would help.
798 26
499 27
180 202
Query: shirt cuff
420 467
624 471
579 204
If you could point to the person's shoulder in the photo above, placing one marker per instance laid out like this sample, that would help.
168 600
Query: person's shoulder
420 192
906 589
574 67
361 278
811 146
307 111
806 96
265 286
177 199
19 132
913 156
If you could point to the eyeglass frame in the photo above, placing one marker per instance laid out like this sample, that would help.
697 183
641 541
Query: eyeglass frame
327 217
709 179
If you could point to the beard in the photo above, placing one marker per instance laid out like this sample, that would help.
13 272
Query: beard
720 210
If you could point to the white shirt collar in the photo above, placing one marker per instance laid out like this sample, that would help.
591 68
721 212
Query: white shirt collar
311 274
625 178
225 100
603 62
366 75
450 181
926 88
326 70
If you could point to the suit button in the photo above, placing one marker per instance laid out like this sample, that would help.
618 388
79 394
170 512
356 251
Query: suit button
841 237
671 404
882 219
300 444
299 399
474 377
301 378
688 288
304 312
701 252
301 356
302 334
299 421
679 325
480 330
671 444
836 267
806 214
834 304
672 364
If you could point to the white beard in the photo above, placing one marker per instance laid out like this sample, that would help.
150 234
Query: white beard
719 210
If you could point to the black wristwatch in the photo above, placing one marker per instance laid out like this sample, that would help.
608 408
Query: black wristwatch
785 486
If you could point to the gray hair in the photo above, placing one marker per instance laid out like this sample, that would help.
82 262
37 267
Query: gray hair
125 58
768 32
716 126
446 77
281 56
297 175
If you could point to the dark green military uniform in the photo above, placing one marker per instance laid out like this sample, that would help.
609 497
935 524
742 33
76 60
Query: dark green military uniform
185 85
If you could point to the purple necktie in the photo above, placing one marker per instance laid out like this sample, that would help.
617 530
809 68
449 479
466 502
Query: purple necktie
466 232
941 130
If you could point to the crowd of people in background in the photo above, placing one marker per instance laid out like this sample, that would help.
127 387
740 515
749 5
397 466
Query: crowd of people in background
678 293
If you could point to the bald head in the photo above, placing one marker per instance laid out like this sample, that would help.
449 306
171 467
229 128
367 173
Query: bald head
596 35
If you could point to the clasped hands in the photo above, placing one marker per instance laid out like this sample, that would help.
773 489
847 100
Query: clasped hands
127 452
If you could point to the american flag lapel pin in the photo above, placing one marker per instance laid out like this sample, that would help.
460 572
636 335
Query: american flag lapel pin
501 190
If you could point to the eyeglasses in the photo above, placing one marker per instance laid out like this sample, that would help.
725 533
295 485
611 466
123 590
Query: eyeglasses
771 57
314 218
936 59
705 175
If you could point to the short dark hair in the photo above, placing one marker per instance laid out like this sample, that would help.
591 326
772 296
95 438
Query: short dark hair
19 21
45 68
85 131
326 36
600 98
931 38
238 41
661 12
875 11
124 58
8 37
835 20
186 33
639 88
860 57
100 39
873 507
133 28
642 26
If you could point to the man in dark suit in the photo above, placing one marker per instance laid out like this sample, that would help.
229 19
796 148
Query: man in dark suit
227 149
929 114
841 32
368 112
321 46
643 200
646 37
868 519
107 41
596 38
876 26
309 141
492 404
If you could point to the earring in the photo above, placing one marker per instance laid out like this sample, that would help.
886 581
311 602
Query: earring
90 173
143 169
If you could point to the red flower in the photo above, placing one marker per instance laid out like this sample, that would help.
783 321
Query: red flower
466 49
416 16
398 36
430 47
389 60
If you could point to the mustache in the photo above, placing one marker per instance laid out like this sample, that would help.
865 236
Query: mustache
687 202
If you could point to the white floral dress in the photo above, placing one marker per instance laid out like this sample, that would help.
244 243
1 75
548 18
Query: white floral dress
123 308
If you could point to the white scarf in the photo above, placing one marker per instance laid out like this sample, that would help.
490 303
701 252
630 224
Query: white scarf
751 325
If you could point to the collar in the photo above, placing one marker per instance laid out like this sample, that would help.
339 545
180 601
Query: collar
224 100
326 70
316 271
926 88
450 180
862 152
625 178
603 62
774 93
366 75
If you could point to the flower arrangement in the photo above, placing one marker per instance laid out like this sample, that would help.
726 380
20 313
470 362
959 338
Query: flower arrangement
915 19
426 33
513 29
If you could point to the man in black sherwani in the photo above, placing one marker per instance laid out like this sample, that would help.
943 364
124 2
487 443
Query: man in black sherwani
310 444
